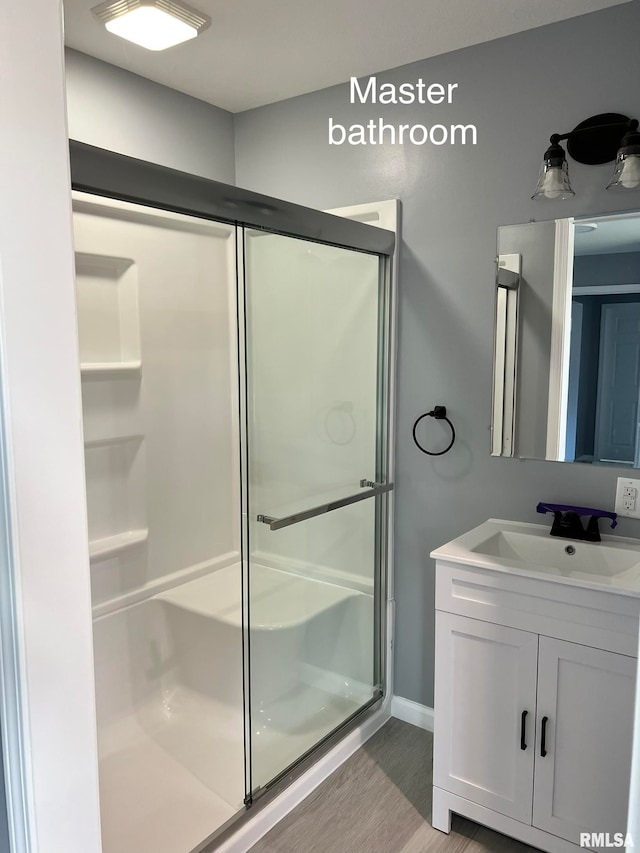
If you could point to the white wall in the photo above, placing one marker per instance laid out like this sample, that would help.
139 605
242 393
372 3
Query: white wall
112 108
42 425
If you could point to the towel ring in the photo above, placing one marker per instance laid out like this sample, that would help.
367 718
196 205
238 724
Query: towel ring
440 414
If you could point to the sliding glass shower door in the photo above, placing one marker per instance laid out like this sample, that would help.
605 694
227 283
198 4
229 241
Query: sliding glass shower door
313 318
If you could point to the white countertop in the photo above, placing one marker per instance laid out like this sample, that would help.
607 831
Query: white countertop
529 550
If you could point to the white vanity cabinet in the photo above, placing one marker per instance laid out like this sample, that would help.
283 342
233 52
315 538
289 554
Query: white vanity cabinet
586 696
534 704
478 748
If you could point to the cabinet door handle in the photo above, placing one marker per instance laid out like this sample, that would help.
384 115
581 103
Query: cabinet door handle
543 737
523 725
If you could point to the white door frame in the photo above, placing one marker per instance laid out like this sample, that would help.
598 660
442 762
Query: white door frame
560 340
46 678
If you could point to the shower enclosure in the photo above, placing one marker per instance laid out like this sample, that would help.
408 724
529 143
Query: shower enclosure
235 358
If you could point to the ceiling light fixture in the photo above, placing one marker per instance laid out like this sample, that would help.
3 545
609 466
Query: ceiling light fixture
599 139
153 24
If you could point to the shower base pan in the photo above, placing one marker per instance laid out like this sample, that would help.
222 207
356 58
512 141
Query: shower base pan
169 693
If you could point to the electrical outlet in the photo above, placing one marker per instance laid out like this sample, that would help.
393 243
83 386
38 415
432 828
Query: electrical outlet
627 502
629 497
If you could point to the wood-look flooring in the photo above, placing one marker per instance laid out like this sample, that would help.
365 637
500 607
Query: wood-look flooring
379 801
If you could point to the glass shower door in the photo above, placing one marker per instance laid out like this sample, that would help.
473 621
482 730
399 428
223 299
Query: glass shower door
315 484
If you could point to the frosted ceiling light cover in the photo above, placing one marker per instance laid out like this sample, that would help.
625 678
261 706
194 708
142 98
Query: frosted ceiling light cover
152 24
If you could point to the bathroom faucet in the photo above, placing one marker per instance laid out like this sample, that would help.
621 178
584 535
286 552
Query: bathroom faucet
567 521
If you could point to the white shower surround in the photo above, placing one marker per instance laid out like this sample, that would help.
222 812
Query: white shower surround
168 644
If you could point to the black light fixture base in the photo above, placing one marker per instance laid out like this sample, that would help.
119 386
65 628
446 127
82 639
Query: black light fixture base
597 139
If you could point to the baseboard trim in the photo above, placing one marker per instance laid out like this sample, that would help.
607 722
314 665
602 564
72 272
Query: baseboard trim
412 712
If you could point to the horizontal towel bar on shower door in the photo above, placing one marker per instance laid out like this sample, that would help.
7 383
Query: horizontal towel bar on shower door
372 490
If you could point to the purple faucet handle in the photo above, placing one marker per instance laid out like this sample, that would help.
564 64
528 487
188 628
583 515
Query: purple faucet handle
579 510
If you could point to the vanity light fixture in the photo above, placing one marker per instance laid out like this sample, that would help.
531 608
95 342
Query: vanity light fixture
599 139
626 175
553 180
153 24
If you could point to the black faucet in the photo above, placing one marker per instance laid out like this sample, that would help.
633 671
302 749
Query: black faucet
567 521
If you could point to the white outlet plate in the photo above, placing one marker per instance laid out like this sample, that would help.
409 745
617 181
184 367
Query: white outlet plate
624 501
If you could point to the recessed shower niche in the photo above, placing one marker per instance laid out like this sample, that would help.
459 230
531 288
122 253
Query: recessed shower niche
107 300
114 470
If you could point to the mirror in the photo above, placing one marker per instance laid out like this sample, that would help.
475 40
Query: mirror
566 379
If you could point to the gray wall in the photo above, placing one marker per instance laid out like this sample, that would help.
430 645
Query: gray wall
609 269
114 109
518 90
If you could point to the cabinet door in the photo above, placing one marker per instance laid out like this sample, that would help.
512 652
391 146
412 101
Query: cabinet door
587 696
485 682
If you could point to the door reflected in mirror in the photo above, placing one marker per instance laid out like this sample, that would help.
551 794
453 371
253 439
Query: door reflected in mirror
566 383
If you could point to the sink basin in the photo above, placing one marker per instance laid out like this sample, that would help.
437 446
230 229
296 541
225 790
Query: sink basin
564 555
530 549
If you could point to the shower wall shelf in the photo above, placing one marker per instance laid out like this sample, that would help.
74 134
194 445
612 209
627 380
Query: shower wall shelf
114 439
101 549
107 368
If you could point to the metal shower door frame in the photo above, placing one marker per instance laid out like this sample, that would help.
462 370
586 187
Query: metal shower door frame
379 490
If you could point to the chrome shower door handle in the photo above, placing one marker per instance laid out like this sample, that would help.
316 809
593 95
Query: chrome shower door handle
372 491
